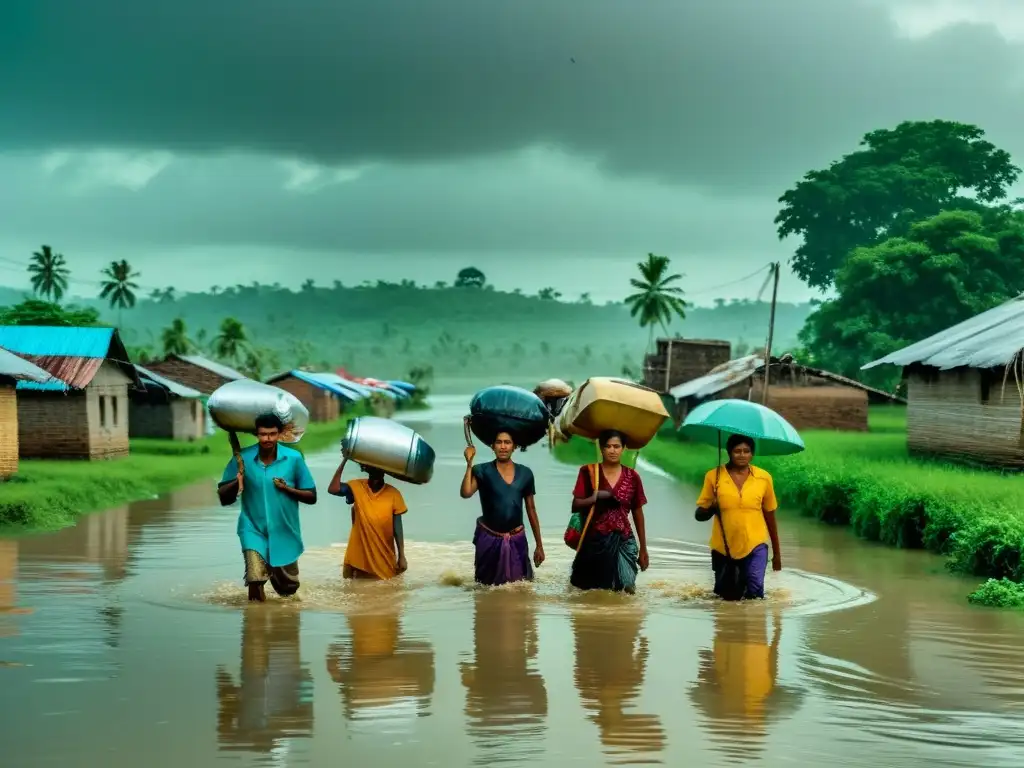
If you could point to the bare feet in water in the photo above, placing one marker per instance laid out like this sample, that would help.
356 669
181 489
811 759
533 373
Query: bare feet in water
257 593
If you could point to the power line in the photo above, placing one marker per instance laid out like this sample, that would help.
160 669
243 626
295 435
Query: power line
705 291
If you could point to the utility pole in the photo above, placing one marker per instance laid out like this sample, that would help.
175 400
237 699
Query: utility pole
771 332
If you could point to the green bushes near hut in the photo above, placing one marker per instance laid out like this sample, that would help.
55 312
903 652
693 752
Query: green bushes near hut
48 494
868 482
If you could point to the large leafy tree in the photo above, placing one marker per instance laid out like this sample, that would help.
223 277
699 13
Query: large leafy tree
897 177
37 312
49 273
470 277
658 298
947 269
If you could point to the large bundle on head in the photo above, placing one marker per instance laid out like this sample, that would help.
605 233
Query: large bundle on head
236 406
389 446
509 409
604 403
552 389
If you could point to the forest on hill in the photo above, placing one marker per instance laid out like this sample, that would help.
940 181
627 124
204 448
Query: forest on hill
461 333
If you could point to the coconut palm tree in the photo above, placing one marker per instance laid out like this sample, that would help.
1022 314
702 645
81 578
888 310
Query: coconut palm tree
231 341
175 338
657 300
119 286
49 274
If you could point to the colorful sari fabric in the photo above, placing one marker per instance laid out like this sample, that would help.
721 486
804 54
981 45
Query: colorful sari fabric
501 557
607 557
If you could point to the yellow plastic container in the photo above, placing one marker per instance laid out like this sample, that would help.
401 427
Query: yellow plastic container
607 403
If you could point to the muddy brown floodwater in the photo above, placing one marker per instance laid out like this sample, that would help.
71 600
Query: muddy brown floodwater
125 641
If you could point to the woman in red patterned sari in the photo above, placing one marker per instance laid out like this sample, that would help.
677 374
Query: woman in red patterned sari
610 555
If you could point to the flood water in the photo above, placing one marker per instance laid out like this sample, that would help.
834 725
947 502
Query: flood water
126 641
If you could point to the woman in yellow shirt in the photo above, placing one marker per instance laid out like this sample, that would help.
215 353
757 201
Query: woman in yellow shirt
376 545
741 497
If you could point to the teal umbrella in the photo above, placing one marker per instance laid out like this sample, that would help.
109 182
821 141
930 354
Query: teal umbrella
714 421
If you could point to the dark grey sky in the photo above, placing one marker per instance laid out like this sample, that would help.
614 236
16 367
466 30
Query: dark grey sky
545 142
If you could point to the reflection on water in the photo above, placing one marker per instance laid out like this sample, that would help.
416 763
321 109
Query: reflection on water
737 689
611 660
385 680
273 699
881 662
506 701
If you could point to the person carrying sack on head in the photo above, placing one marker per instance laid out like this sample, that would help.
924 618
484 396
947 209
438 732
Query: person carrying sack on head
742 501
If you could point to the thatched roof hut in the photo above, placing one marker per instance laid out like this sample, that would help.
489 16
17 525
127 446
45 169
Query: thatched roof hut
965 388
808 398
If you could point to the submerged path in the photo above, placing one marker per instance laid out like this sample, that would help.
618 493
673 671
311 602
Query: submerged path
127 640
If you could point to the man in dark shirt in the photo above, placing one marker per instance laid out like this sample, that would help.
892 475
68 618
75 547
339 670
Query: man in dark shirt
502 551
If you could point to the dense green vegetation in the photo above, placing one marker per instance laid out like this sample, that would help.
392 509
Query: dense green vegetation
913 231
869 482
384 330
47 495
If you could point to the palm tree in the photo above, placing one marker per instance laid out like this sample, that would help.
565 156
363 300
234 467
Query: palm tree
49 274
231 341
657 300
175 338
119 286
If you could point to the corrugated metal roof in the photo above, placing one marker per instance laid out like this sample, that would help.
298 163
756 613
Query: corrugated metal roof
56 340
176 389
213 367
14 367
987 340
356 388
739 370
722 377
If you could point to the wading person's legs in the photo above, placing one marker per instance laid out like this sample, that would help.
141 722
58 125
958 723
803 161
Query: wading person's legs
257 573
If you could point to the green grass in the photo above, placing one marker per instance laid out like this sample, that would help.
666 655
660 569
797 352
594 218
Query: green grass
869 482
47 495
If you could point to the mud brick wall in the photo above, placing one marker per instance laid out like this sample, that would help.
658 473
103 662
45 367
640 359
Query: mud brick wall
53 425
106 400
817 407
8 429
188 374
321 404
691 359
176 419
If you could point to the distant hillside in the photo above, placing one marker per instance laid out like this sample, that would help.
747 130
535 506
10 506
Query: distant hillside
465 333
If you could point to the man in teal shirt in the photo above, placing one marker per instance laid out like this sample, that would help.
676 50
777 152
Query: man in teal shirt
274 480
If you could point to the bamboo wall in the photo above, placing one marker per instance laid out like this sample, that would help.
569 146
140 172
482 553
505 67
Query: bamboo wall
833 407
8 429
955 415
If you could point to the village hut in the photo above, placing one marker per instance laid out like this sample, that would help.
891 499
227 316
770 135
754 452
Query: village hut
324 397
808 398
165 409
965 389
677 361
82 412
196 372
13 369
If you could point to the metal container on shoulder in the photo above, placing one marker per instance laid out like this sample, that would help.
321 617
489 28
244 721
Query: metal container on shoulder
389 446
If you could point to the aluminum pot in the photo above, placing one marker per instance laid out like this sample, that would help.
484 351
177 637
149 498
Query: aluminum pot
389 446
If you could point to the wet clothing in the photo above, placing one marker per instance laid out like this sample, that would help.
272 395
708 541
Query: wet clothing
268 523
501 502
284 579
753 567
371 544
742 511
607 556
501 557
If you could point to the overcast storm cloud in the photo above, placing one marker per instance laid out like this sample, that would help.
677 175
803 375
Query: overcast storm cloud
567 126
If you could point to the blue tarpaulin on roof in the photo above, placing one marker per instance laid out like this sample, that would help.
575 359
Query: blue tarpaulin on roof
333 388
56 340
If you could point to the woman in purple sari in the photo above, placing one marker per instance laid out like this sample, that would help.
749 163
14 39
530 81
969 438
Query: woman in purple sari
610 555
502 551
